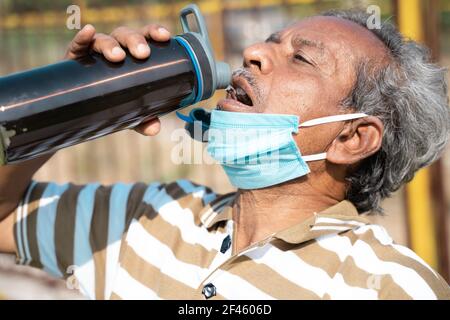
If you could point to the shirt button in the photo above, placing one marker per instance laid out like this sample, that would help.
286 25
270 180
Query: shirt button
226 244
209 290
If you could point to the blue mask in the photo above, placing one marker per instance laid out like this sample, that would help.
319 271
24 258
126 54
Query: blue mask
258 150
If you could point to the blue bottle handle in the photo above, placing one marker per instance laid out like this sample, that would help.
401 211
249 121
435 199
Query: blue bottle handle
203 31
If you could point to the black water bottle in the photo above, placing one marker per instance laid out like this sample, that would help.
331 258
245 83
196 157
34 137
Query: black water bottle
59 105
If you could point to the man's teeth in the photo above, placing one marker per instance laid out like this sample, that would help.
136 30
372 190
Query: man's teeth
238 94
243 97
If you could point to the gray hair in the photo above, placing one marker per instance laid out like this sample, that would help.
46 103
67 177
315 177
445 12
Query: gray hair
410 97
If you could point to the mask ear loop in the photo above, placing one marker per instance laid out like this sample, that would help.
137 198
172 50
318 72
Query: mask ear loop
330 119
324 120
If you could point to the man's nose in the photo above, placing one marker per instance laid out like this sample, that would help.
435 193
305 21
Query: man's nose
258 56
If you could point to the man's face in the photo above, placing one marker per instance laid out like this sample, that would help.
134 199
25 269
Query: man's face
306 69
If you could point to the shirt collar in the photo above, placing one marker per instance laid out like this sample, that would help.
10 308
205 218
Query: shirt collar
340 217
220 209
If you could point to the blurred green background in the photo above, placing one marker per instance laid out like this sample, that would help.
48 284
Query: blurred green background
34 33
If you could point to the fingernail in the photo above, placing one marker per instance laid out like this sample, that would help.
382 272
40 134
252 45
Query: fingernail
163 31
88 26
143 49
117 51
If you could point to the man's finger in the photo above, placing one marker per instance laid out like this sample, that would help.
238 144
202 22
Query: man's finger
133 40
109 47
150 128
81 42
156 32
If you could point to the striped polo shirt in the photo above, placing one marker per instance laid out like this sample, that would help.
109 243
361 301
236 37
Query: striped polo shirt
175 241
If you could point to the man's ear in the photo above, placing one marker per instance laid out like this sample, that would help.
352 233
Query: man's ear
359 139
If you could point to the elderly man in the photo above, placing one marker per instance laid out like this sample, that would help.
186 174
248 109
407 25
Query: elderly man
293 229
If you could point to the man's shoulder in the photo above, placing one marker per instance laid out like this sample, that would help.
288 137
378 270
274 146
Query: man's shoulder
395 271
182 188
180 195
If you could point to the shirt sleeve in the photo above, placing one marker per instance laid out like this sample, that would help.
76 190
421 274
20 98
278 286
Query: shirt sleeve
75 232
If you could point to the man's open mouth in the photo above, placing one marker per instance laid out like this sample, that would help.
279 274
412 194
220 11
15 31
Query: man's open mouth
240 97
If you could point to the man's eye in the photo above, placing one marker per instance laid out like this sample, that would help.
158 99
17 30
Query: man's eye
301 58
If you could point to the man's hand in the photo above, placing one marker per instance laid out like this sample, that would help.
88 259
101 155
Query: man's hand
111 48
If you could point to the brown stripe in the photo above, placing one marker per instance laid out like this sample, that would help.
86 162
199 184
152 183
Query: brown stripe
313 254
98 237
170 236
390 254
195 204
115 296
383 283
135 202
151 277
267 280
65 228
135 208
175 191
354 276
391 290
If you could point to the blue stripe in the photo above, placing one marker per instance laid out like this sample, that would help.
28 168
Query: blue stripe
188 187
46 227
85 208
156 197
117 211
82 251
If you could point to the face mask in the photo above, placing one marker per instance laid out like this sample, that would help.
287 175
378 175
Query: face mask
258 150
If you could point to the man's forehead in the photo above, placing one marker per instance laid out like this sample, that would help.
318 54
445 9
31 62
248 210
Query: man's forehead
276 37
327 32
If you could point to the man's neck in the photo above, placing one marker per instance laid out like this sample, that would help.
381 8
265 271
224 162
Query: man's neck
260 213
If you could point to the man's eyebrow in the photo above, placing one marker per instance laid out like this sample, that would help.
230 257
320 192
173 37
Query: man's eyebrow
300 42
274 37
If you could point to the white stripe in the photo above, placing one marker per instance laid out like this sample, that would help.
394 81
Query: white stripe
337 228
161 256
407 278
85 271
338 221
342 291
366 259
19 222
381 235
46 217
24 223
337 244
233 287
129 288
293 268
183 219
116 228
